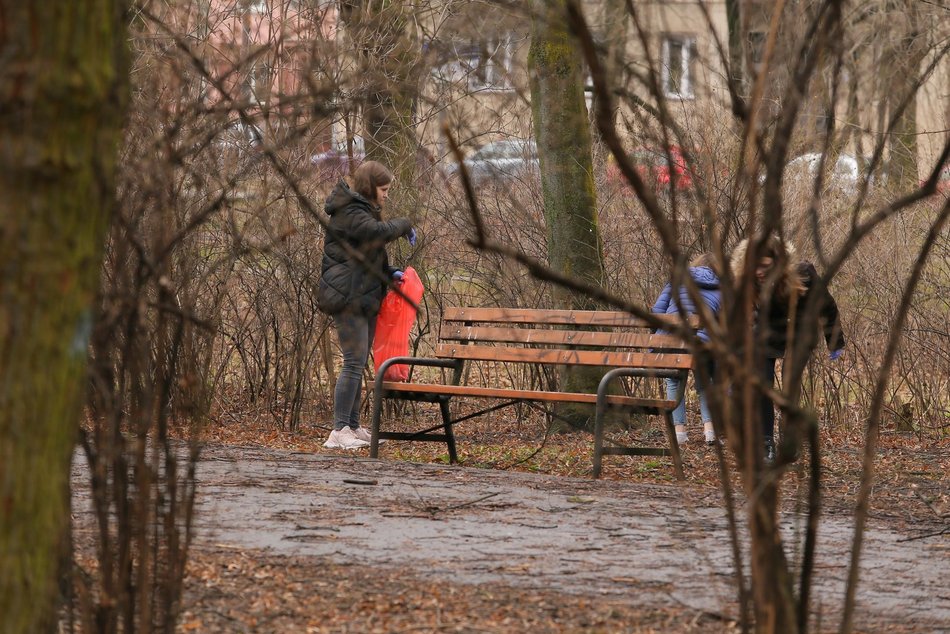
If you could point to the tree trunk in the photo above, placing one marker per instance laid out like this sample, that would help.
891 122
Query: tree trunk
904 62
772 582
737 76
383 33
615 28
562 132
62 85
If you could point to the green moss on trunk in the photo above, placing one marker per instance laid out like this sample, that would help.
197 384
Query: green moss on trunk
562 131
61 84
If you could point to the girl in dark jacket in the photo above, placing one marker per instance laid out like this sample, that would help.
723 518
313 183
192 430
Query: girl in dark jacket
707 282
782 299
354 275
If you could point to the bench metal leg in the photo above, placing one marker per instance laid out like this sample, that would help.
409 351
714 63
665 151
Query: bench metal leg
601 410
598 436
449 433
674 446
374 424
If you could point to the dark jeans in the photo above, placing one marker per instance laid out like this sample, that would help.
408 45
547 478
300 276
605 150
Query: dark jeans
355 333
766 406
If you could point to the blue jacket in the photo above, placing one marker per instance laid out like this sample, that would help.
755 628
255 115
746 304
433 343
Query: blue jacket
708 283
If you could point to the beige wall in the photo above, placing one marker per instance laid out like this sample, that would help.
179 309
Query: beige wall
476 118
489 114
479 101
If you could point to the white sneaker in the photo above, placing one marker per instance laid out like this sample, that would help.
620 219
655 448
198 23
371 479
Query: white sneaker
710 437
364 434
344 439
681 436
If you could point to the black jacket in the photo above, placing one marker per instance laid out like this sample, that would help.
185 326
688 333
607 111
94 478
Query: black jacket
806 331
355 278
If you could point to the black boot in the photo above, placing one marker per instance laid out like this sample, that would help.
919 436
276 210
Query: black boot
789 449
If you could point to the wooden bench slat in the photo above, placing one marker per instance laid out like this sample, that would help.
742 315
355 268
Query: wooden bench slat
543 316
616 341
475 334
648 360
531 395
552 317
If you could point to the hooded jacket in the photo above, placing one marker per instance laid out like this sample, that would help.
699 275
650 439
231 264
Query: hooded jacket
775 316
708 284
355 278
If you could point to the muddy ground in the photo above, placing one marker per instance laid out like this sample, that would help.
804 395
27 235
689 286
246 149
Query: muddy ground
317 542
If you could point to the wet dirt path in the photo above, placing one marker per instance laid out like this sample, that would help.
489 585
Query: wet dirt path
647 544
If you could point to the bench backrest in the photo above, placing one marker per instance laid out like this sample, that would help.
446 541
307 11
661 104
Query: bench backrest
564 337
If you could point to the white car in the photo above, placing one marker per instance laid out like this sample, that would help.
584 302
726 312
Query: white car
504 160
844 178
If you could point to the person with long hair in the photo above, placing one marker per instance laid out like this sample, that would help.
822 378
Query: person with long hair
785 287
355 274
702 270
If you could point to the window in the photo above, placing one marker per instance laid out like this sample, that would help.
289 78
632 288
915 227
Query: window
257 83
756 46
676 61
481 65
756 49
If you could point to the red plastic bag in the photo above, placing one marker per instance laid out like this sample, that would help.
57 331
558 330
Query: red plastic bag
393 324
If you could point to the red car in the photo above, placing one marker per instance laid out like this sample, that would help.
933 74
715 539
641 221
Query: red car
672 169
943 180
658 169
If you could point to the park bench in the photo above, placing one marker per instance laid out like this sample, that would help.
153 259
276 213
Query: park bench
619 343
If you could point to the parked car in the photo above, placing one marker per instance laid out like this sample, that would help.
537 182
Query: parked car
672 171
499 161
844 178
943 180
336 161
658 169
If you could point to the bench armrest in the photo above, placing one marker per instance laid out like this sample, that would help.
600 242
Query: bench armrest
426 361
643 372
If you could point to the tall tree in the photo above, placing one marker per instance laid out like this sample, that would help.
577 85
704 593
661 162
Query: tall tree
62 86
614 35
737 76
562 130
384 36
903 56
